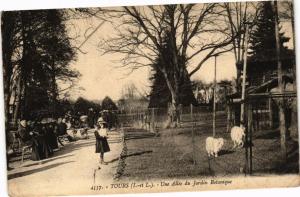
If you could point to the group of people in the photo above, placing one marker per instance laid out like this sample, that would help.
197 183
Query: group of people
101 125
42 136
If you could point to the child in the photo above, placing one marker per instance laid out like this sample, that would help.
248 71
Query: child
101 139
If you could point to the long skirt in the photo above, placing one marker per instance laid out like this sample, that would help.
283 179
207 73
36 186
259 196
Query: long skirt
52 139
102 145
40 148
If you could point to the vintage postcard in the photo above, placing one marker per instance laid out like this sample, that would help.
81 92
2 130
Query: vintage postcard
151 98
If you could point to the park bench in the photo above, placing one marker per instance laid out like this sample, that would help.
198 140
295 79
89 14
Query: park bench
24 149
17 146
62 138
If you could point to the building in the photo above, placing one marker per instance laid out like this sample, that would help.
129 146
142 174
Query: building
262 92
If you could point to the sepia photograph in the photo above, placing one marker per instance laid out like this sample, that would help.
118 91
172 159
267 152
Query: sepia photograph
150 98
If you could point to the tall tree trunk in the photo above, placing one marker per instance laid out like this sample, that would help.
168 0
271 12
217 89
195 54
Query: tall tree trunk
25 63
293 31
172 111
282 121
7 26
294 117
176 73
18 98
54 94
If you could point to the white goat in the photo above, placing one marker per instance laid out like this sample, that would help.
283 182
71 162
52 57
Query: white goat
237 135
213 146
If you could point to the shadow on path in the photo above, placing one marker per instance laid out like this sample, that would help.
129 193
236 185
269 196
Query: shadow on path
129 155
225 152
137 153
269 134
21 174
47 160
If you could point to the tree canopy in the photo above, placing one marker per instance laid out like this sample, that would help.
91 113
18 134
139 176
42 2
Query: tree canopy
38 55
263 42
160 95
108 104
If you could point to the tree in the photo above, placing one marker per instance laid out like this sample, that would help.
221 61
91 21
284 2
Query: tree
37 58
130 92
9 44
132 99
288 14
236 16
108 104
140 32
160 95
282 117
82 105
268 53
263 43
65 106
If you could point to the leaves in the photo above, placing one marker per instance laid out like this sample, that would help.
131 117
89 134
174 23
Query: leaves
41 52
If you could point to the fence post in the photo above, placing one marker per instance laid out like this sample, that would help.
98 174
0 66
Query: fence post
152 119
249 143
270 112
228 125
193 137
257 118
244 75
246 147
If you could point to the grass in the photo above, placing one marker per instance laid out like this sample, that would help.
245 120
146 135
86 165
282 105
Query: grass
170 155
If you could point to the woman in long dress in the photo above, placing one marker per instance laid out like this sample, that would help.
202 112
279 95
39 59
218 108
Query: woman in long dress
101 139
50 135
40 147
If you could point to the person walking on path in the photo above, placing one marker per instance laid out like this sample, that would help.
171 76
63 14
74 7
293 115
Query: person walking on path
101 139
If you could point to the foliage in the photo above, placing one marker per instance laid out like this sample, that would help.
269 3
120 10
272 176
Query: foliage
160 95
263 41
132 99
38 56
82 106
108 104
139 40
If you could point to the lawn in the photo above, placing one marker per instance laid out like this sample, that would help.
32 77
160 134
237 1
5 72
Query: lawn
170 154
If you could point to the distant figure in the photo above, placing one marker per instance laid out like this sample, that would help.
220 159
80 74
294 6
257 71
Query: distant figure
40 147
101 139
62 130
146 122
91 117
23 132
83 121
68 123
51 134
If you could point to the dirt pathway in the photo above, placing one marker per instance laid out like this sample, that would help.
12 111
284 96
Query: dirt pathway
72 170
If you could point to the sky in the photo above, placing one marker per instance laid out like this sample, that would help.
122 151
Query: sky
102 76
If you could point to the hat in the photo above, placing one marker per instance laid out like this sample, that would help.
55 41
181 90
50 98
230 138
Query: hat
23 123
44 121
100 120
83 118
50 120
